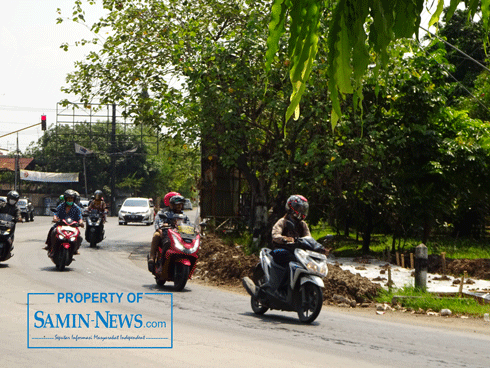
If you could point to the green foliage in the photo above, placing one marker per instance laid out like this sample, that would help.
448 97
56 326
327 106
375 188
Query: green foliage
55 152
410 163
357 29
143 172
132 183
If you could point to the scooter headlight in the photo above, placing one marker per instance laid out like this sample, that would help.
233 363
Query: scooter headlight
316 264
73 238
195 247
177 243
320 268
61 237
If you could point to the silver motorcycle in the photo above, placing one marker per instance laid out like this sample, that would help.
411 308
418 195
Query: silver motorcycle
303 290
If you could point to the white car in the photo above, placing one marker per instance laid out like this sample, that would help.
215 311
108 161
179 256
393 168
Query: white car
187 204
137 210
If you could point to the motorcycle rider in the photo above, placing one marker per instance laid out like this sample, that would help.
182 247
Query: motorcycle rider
10 207
284 233
67 209
98 204
176 204
60 200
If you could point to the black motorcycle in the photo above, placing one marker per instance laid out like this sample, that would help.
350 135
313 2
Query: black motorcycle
95 228
7 229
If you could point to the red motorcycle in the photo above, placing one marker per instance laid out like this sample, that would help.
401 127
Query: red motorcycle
179 261
67 234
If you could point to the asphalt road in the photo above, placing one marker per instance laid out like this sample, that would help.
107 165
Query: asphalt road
205 327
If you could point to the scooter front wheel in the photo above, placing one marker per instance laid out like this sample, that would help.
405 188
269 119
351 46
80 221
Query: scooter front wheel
160 282
310 302
181 274
257 307
62 259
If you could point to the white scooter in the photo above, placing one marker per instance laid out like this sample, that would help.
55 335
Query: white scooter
303 292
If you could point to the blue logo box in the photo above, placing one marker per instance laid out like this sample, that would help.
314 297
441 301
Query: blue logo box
100 320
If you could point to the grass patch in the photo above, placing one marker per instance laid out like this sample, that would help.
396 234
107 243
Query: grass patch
460 248
351 246
417 299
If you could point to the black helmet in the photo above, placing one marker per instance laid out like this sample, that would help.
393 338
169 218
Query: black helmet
70 193
13 196
98 194
177 199
297 205
77 197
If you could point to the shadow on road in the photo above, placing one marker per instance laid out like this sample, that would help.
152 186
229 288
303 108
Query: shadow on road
276 319
53 269
169 288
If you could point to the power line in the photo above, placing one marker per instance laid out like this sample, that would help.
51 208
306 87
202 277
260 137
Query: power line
455 79
27 109
454 47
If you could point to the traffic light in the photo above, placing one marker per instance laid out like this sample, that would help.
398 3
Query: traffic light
43 122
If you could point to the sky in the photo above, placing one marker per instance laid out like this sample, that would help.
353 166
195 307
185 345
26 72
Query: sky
33 68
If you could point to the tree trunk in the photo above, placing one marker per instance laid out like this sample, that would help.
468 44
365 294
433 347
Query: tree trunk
366 238
258 205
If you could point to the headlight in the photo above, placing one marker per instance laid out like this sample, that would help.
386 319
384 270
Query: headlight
61 237
318 267
73 238
195 247
177 243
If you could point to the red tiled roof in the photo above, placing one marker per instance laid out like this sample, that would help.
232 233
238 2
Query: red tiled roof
8 163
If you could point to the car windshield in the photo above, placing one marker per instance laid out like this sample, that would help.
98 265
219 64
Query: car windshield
22 202
136 203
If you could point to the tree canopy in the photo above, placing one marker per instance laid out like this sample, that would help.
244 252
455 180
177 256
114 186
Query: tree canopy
393 167
357 30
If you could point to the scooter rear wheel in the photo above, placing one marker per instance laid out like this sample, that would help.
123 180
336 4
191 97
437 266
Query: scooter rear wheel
310 302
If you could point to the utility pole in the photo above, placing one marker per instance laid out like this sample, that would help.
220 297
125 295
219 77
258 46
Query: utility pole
16 165
85 176
113 162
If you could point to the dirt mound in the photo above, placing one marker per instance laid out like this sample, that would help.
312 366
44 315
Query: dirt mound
223 264
341 285
226 264
476 268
